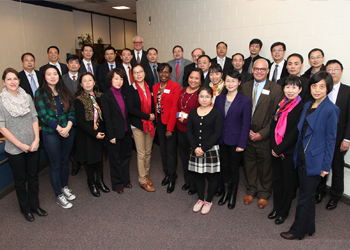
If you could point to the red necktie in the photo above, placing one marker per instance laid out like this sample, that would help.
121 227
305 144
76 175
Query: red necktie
74 79
177 70
130 76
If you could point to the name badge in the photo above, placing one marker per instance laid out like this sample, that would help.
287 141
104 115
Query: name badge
265 92
167 91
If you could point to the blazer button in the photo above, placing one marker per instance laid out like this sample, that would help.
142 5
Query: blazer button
225 129
162 112
162 105
200 144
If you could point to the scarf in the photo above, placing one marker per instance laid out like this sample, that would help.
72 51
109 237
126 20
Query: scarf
284 107
146 104
217 89
97 111
16 105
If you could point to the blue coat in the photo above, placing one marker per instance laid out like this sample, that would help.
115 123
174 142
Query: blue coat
236 125
321 135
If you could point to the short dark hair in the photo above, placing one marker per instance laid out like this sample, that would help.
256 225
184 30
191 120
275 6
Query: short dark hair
278 44
138 65
80 89
319 76
72 57
151 49
313 50
292 80
10 70
127 49
222 43
27 54
53 47
215 68
296 55
178 46
335 61
87 45
206 88
204 56
119 72
110 48
162 67
238 54
256 41
200 71
234 74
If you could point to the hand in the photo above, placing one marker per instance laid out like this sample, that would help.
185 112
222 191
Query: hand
100 135
324 173
59 128
198 151
152 117
344 146
34 147
256 137
24 147
113 141
64 132
181 119
168 134
273 153
238 149
251 134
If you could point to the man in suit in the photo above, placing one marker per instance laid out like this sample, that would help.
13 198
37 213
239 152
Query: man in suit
265 96
340 96
255 46
204 64
237 63
178 64
139 55
126 57
87 65
221 58
278 69
104 68
316 59
151 68
53 53
29 78
197 52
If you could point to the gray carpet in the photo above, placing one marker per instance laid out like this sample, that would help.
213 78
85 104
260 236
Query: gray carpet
141 220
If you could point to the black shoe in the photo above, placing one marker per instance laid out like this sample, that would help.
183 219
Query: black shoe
186 187
171 187
39 211
219 191
226 195
75 171
165 181
272 215
100 184
232 200
93 189
29 217
279 220
192 191
332 204
318 198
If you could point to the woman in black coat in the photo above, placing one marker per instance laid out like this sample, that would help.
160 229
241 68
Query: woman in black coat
90 132
118 131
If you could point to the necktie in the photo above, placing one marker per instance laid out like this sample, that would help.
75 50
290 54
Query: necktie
156 78
74 78
254 97
222 63
32 83
89 68
177 70
130 76
274 78
138 57
112 67
250 66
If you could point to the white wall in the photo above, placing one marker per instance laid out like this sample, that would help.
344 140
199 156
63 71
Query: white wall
300 24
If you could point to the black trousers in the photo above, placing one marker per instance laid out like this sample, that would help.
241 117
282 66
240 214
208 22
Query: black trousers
91 169
337 187
168 150
184 151
230 160
284 180
212 185
25 169
119 161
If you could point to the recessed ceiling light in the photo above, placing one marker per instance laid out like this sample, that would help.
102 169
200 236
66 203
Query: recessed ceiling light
121 8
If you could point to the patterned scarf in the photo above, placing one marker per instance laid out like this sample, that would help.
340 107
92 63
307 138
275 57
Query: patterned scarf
217 89
16 105
97 111
285 105
146 107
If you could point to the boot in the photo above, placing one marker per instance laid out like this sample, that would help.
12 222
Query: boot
233 196
93 189
225 196
100 184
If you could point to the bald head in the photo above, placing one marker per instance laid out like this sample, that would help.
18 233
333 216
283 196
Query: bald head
260 70
263 61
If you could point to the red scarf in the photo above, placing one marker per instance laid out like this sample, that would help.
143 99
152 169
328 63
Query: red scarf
146 104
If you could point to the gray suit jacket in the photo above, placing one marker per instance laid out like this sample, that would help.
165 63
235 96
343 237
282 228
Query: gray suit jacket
184 63
71 85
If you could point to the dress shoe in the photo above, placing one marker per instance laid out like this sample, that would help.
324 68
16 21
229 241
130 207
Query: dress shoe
165 181
148 187
75 171
186 187
280 220
289 236
100 184
332 204
248 199
129 185
232 200
149 180
29 217
219 191
192 191
226 194
262 203
119 191
272 215
39 211
319 198
171 187
93 188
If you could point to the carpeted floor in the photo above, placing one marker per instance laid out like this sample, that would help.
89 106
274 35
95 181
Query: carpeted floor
141 220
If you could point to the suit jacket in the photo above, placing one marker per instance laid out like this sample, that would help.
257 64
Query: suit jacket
71 85
307 73
168 103
113 116
143 61
122 67
187 71
319 138
343 103
82 68
248 60
236 124
284 72
265 107
149 78
206 80
172 64
227 65
64 68
25 84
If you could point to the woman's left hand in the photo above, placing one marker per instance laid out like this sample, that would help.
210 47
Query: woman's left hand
324 173
273 153
168 134
34 147
238 149
65 132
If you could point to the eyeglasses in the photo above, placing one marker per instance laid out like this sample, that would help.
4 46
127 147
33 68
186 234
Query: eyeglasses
277 50
126 54
138 72
260 69
238 60
334 70
138 42
223 47
317 57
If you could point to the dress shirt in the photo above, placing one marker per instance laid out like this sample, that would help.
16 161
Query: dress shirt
223 61
279 72
57 66
259 90
71 76
334 93
135 54
34 77
205 74
86 66
109 65
126 67
179 61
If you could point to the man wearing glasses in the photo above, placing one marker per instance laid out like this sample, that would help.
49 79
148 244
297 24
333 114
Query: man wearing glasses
139 55
278 68
265 96
316 59
126 57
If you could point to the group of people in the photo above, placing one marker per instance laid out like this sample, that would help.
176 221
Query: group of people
218 113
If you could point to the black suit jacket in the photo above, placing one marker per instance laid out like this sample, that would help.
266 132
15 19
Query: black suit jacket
343 102
144 59
284 70
25 84
64 68
126 80
187 71
227 66
82 68
103 70
246 77
149 78
248 60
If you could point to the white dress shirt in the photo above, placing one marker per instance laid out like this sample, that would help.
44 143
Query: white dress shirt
279 72
57 66
126 67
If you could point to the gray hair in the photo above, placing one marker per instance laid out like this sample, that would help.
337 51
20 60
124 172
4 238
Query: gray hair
137 37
